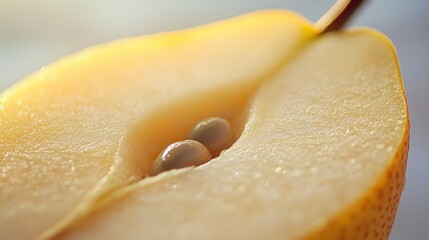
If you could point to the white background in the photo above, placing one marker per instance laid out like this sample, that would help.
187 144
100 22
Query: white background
35 33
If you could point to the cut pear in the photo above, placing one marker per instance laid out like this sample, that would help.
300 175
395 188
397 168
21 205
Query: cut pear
93 122
322 156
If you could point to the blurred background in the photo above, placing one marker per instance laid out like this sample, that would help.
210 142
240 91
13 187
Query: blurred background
35 33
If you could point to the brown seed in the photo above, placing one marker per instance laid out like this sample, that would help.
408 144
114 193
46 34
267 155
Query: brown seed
179 155
215 133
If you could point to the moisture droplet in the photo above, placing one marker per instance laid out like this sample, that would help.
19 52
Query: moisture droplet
381 145
133 179
347 131
241 189
352 160
257 175
296 173
278 170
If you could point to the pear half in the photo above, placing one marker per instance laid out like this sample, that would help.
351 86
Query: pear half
322 156
94 122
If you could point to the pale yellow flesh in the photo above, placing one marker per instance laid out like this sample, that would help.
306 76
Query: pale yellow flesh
322 135
76 130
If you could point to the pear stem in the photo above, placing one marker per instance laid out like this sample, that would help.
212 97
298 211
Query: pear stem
338 15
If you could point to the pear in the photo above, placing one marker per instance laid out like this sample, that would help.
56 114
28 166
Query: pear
322 156
322 123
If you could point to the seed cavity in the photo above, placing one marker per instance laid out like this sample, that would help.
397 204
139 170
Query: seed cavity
207 139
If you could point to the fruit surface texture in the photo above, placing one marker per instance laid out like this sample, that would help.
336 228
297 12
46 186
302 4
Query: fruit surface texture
321 120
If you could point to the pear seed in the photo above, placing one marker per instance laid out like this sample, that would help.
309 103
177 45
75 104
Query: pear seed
179 155
215 133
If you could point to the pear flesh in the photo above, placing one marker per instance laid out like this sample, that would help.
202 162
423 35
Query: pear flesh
91 123
322 156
